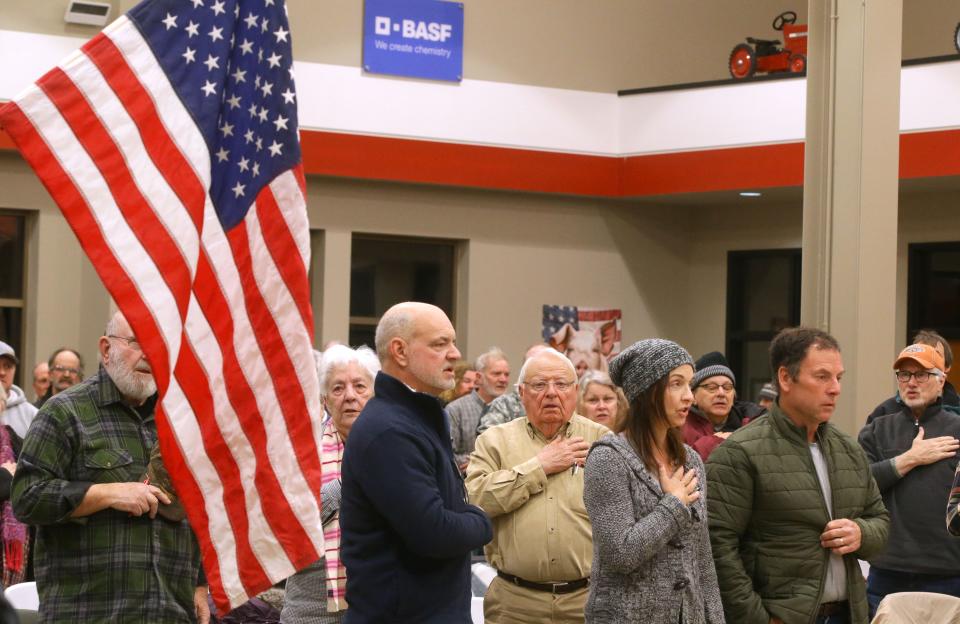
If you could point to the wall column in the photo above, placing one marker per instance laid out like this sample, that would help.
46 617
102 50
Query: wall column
850 192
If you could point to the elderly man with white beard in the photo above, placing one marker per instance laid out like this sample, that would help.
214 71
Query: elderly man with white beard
102 552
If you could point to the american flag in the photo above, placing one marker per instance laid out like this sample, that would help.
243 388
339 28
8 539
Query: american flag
170 143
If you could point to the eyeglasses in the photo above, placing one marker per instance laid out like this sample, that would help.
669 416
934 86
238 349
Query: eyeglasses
66 370
713 387
920 376
540 386
131 342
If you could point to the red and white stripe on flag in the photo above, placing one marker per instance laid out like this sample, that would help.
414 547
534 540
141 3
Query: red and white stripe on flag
224 316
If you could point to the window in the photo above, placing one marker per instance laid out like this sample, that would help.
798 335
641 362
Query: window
933 293
13 252
386 270
763 297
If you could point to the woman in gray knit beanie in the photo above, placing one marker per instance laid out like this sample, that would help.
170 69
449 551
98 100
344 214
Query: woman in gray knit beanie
643 489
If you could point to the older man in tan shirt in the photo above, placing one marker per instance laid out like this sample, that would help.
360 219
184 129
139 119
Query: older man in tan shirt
526 474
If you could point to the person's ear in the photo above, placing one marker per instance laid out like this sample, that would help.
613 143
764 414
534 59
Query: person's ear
104 346
783 378
398 349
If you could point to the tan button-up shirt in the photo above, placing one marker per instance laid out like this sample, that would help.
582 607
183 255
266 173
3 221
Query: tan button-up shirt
541 531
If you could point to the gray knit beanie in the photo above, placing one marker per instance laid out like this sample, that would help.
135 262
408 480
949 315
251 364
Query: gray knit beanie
643 363
711 365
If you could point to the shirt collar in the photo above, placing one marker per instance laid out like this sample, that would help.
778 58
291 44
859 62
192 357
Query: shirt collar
535 433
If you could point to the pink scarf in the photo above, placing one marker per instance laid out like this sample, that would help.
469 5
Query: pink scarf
331 456
16 536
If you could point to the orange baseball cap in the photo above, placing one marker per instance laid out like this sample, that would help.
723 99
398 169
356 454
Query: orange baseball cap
924 355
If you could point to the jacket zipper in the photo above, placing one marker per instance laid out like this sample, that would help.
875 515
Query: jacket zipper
823 501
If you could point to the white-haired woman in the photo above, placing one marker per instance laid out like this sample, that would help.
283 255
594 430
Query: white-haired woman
600 400
315 595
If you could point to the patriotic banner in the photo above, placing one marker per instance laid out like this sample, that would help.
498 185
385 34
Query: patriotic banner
590 337
170 143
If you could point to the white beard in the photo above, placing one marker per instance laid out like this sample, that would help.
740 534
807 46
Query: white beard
133 386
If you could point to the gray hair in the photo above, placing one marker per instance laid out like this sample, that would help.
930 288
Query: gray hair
552 353
339 356
397 322
595 377
488 357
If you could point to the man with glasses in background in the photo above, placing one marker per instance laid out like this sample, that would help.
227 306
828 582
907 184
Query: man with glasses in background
527 475
102 552
912 455
66 369
715 412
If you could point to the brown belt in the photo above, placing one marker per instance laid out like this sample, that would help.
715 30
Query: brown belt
564 587
833 608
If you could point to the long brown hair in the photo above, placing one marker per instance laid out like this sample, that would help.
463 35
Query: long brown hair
647 409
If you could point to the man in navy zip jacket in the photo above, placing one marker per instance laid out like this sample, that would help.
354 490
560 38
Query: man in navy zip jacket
407 529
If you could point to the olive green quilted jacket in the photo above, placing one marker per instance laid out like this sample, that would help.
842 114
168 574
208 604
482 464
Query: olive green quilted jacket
766 514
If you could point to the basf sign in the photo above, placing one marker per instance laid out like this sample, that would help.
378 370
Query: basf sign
414 38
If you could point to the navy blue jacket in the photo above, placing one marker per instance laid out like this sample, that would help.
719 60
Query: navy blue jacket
407 530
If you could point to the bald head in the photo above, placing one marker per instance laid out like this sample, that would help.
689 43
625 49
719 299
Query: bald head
416 343
545 354
534 349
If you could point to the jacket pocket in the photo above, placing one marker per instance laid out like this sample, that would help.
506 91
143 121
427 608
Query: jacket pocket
108 465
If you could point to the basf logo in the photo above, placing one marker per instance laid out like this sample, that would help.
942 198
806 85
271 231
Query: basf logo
412 29
417 38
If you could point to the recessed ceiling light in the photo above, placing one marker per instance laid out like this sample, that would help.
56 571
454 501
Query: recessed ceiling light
750 194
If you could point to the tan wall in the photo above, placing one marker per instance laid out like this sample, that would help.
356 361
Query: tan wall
714 232
66 303
523 251
604 45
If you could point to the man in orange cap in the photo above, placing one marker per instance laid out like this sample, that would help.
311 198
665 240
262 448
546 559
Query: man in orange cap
913 456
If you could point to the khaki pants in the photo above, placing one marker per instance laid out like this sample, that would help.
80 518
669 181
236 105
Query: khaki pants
506 603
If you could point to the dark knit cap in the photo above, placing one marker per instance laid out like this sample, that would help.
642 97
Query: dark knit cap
711 365
643 363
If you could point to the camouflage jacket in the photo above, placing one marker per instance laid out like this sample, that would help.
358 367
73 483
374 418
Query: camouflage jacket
502 410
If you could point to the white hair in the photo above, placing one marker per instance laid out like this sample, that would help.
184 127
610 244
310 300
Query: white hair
488 357
339 356
547 352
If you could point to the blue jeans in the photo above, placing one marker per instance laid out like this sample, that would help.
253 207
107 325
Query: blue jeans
883 582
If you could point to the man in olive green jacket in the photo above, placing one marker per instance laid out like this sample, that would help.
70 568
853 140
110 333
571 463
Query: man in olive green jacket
792 503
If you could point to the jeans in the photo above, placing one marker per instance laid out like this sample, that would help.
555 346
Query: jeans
883 582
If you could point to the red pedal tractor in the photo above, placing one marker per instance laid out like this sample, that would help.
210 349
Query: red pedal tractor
765 55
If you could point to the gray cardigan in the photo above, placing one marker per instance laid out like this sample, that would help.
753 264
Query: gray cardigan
652 561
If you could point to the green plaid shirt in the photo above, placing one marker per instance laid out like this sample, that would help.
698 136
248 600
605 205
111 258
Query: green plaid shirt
109 566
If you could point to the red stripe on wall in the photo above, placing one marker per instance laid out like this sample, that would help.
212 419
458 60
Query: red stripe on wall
432 162
761 166
930 154
922 155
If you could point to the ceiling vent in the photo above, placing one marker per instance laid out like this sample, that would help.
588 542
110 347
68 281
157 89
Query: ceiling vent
87 13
